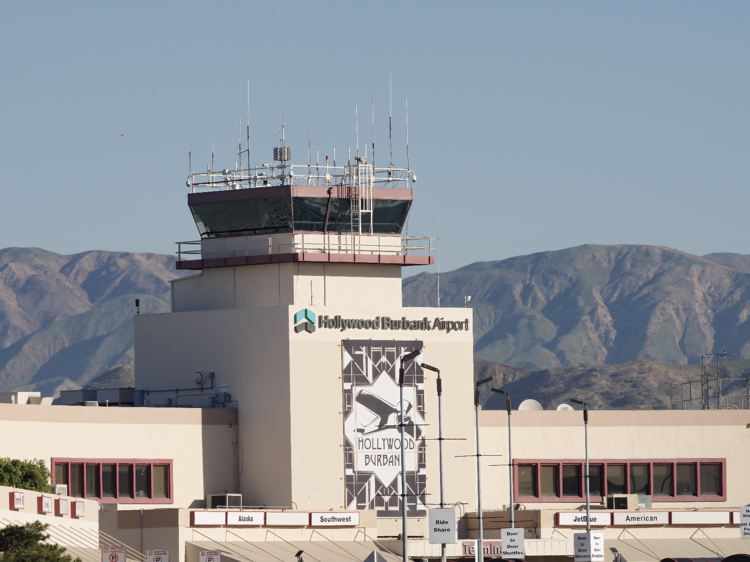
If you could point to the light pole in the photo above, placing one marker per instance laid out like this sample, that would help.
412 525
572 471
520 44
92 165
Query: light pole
440 440
586 441
510 457
480 543
401 376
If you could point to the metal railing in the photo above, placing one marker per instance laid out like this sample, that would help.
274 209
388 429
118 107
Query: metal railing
248 246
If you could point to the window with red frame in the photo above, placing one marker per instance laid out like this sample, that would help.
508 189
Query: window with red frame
663 479
116 480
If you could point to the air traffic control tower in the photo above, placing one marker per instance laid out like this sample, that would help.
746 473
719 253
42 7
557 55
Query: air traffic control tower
294 318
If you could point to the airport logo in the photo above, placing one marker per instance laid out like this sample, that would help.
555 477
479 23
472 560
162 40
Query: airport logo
304 321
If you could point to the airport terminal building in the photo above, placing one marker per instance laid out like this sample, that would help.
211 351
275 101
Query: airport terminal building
265 417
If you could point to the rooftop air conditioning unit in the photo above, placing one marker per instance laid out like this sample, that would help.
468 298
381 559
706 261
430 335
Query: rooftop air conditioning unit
622 501
61 489
223 501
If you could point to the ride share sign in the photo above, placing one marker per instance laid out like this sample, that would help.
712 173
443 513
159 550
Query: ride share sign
443 526
114 554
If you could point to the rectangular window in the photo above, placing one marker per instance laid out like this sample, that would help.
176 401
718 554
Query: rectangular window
711 480
161 483
124 479
549 481
616 479
527 481
572 480
639 479
662 479
108 481
92 480
596 484
141 481
686 480
61 474
76 480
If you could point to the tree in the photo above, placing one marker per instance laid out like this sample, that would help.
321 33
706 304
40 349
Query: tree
27 475
24 543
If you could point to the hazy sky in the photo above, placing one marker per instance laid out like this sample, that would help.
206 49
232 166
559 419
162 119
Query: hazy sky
533 125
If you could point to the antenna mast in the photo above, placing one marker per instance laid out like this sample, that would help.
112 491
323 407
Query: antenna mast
407 142
373 132
248 128
356 128
390 122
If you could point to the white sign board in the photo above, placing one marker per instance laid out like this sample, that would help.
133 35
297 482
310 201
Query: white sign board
579 519
208 518
332 519
588 547
245 518
63 507
745 522
210 556
17 500
79 509
442 526
114 554
287 518
513 545
630 518
700 518
157 556
45 505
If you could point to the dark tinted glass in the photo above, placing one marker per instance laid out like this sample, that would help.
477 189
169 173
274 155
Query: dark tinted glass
61 474
125 474
310 213
662 479
160 481
92 480
526 480
596 481
686 480
338 218
141 481
275 215
710 480
572 480
108 481
389 216
549 480
616 479
211 219
76 480
639 479
243 218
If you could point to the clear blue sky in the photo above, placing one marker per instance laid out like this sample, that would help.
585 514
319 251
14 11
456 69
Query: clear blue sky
534 125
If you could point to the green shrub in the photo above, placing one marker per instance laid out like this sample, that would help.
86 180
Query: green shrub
27 475
23 543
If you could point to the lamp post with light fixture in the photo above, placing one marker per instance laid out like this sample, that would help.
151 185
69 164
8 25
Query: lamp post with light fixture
401 376
510 456
480 542
586 444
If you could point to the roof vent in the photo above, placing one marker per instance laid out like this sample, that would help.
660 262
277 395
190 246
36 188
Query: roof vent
91 403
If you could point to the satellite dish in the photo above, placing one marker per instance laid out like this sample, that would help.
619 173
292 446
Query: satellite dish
530 404
565 407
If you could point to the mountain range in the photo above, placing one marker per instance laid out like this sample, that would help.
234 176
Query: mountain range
66 320
597 305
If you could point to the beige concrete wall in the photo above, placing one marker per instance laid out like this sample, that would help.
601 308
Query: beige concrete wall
295 284
199 442
246 349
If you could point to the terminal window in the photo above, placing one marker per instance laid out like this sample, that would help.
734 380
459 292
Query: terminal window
116 481
663 479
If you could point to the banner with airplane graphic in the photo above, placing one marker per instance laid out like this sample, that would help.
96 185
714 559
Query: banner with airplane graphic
372 435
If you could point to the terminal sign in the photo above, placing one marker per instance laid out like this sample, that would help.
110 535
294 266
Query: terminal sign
114 554
513 545
442 526
588 547
157 556
745 522
210 556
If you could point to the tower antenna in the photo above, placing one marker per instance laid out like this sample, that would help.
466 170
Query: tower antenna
390 122
373 132
407 142
239 144
248 128
356 128
309 163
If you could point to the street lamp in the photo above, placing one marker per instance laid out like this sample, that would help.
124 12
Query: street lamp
440 439
480 543
586 441
401 376
510 456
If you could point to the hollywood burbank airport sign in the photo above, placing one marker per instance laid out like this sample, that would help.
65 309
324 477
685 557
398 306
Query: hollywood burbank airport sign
305 320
